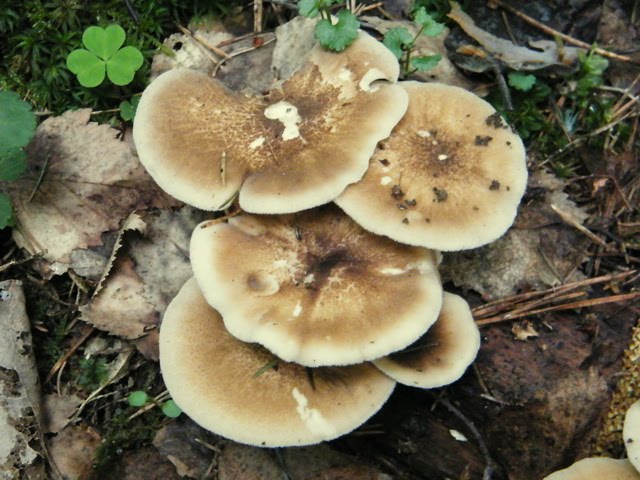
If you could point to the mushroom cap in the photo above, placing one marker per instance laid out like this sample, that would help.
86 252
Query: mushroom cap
450 176
295 148
597 468
631 434
441 355
315 288
216 380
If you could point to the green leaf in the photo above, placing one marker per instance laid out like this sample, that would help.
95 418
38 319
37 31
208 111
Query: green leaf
422 64
123 65
138 398
431 28
6 213
104 42
87 66
396 38
17 122
171 409
128 108
521 81
339 36
12 165
309 8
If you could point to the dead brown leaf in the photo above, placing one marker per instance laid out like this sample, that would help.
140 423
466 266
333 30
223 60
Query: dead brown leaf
146 275
58 410
73 451
91 182
20 412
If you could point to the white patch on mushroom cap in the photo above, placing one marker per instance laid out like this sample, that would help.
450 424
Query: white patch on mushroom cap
386 180
287 114
345 74
256 143
392 271
424 133
311 417
442 157
368 78
298 309
309 278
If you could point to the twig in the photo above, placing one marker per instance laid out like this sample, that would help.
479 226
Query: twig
13 263
224 218
507 302
203 41
68 354
565 306
154 403
490 464
569 220
555 33
258 9
240 52
44 168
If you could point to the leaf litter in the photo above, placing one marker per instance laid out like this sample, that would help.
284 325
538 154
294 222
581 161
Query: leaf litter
81 183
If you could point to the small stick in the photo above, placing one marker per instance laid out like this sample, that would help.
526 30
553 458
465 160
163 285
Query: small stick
62 360
203 41
565 37
215 221
569 220
153 403
258 9
490 465
507 301
565 306
239 52
13 263
35 189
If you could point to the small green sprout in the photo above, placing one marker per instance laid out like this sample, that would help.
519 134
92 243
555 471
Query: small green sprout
139 398
128 108
401 43
103 55
332 36
521 81
170 409
17 126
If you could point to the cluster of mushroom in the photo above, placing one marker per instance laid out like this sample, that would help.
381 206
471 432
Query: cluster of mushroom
598 468
299 322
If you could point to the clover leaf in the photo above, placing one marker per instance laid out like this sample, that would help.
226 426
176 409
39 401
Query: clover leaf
340 35
171 409
104 56
128 108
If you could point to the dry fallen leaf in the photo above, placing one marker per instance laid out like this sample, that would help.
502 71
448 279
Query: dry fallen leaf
73 450
91 182
524 331
147 274
20 412
58 410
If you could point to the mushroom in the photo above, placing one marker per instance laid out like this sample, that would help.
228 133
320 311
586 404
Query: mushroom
450 176
597 468
238 391
441 355
294 148
315 288
631 434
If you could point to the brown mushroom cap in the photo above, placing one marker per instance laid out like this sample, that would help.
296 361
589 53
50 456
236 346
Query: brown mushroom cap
441 355
216 380
597 469
450 176
631 434
293 149
315 288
